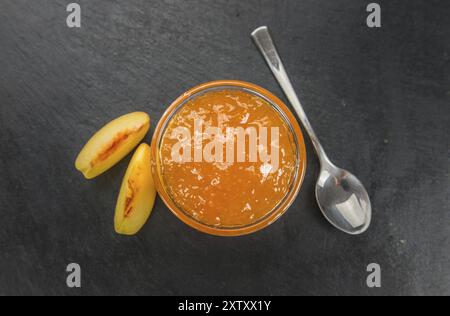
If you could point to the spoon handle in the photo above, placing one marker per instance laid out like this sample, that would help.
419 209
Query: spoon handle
264 41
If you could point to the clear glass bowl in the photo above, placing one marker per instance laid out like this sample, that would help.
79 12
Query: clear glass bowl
298 141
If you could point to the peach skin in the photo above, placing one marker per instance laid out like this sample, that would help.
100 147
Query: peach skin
112 143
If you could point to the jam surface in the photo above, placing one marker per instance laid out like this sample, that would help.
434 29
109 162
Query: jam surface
224 192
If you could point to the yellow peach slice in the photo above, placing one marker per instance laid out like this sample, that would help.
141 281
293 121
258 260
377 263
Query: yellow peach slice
137 194
111 143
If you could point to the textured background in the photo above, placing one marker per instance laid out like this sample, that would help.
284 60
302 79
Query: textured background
378 98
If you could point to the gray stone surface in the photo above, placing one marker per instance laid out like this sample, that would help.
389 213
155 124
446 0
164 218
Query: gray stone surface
378 98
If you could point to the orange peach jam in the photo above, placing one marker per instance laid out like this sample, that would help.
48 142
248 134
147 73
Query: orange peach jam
227 192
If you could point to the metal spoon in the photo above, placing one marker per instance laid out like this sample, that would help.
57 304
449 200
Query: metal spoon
341 196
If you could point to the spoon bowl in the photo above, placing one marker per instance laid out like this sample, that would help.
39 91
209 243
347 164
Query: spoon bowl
343 200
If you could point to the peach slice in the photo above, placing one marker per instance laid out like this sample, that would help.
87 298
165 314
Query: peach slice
137 194
111 143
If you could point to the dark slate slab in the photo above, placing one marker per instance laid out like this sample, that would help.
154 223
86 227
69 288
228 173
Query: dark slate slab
378 98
